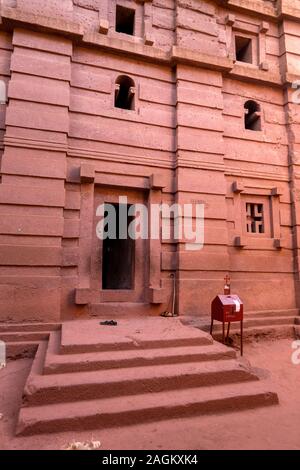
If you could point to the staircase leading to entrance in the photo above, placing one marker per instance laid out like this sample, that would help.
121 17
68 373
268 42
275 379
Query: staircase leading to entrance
88 376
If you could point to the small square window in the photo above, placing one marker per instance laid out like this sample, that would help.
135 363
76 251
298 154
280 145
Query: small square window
125 20
255 218
243 49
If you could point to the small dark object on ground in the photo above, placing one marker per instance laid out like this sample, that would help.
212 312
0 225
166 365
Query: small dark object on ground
109 323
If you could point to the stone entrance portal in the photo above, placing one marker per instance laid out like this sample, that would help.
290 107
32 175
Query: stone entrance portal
118 272
119 264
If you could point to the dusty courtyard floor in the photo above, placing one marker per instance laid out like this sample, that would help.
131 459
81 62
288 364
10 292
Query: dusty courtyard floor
276 427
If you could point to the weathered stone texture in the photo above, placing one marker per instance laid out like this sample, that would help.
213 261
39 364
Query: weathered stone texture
65 148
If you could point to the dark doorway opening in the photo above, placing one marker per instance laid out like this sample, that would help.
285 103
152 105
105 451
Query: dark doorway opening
118 255
125 20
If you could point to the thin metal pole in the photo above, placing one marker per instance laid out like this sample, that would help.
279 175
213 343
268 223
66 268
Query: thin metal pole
242 332
174 295
228 331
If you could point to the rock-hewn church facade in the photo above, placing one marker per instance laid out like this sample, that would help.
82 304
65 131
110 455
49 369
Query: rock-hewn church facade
161 101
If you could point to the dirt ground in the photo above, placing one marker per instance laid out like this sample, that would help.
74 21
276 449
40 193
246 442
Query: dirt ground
277 427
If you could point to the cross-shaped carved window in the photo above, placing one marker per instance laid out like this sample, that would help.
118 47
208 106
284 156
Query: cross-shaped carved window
255 218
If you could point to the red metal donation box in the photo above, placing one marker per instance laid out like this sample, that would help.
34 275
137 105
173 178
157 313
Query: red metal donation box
227 308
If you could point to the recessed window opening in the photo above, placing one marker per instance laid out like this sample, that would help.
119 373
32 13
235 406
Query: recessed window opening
125 20
118 265
255 218
252 116
243 49
124 93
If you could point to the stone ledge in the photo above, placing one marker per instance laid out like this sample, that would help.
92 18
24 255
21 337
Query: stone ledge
290 79
126 47
190 57
87 173
157 296
286 10
259 7
282 9
12 17
16 17
255 74
240 242
82 296
278 243
157 181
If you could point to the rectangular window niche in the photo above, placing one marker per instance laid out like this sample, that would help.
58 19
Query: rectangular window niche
257 217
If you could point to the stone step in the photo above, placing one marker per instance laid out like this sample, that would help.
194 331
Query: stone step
29 327
161 333
203 323
58 364
273 313
272 331
21 349
22 340
148 407
24 336
261 321
76 386
108 310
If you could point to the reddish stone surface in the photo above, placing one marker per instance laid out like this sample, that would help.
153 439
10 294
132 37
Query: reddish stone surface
64 148
95 376
275 427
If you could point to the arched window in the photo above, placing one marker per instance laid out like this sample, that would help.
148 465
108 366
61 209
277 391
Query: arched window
124 93
252 116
